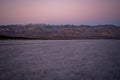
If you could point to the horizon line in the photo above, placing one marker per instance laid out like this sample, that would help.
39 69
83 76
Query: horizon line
63 24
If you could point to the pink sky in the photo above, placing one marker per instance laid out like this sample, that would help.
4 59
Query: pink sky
60 11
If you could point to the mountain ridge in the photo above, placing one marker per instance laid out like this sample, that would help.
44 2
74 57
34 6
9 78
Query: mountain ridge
43 31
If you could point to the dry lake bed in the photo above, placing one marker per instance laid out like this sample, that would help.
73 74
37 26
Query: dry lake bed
60 60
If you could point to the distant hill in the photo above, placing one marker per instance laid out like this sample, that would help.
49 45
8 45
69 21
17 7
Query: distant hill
43 31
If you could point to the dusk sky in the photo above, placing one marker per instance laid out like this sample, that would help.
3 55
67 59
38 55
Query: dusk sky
88 12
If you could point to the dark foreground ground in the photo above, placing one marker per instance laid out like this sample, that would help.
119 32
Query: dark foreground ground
60 60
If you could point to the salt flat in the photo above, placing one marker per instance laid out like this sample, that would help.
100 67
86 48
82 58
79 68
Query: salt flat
60 60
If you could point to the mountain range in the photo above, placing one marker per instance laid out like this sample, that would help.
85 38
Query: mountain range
58 32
